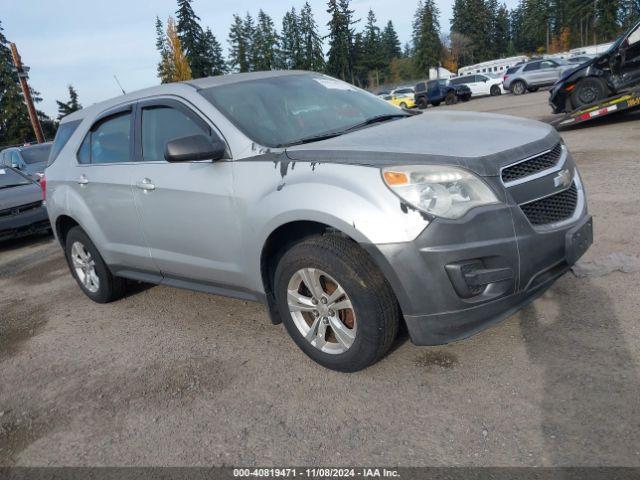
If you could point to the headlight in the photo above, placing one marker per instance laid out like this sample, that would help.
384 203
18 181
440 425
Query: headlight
447 192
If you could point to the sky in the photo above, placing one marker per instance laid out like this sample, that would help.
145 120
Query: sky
87 42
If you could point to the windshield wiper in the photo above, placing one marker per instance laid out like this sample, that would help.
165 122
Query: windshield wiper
376 119
357 126
313 138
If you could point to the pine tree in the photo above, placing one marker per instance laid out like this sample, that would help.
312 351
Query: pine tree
373 53
65 108
629 13
500 32
212 51
390 42
291 40
266 43
165 65
312 56
474 20
427 49
341 53
240 49
191 34
248 32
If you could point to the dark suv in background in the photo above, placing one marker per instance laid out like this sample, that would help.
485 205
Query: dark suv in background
435 92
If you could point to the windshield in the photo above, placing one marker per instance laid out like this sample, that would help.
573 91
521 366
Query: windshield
36 154
11 178
284 110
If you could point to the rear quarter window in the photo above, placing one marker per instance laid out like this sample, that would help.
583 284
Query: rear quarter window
63 135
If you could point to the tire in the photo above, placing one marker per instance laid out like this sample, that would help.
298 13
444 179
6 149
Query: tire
81 254
403 105
589 90
369 323
495 91
423 103
532 89
451 99
518 87
435 104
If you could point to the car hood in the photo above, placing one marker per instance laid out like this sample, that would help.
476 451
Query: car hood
16 196
480 142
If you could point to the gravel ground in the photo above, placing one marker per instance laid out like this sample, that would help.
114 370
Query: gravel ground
171 377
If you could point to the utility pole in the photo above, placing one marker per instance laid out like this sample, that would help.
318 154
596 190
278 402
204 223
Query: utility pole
22 77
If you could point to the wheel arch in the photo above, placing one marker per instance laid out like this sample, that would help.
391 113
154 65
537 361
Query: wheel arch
288 234
63 224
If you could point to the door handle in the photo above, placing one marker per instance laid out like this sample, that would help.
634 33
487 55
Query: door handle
146 185
83 180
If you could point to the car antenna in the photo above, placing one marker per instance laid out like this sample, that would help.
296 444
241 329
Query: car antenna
118 82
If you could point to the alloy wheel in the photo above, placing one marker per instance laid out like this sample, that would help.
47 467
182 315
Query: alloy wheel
321 310
85 267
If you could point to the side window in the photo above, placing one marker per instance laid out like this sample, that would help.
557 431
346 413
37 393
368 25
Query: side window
532 66
162 124
420 87
108 141
457 81
548 64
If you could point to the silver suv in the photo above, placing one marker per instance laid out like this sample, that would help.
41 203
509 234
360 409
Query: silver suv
343 214
532 75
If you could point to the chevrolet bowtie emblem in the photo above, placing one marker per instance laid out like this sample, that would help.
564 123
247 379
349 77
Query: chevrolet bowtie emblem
563 179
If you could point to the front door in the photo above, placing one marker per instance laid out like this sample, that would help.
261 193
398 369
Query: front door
187 209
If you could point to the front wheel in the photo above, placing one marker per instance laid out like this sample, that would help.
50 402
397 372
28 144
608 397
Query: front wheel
587 91
518 87
403 105
423 103
451 98
89 270
335 303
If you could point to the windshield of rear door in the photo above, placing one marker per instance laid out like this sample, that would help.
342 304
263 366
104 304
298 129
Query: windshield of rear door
10 178
36 154
280 111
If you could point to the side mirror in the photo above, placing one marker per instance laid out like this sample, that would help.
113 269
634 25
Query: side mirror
193 148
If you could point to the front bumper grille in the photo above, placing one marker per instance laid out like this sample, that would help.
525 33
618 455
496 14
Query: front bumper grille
19 210
533 165
554 208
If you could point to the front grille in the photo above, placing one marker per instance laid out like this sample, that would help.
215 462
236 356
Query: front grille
533 165
7 212
552 209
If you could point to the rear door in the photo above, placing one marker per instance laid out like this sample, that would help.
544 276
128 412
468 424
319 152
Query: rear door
531 73
187 209
102 179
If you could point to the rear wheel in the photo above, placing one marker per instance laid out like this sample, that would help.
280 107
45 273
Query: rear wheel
403 105
89 270
518 87
588 90
335 304
495 91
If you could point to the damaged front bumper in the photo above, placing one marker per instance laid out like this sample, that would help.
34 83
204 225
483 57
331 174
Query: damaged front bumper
458 277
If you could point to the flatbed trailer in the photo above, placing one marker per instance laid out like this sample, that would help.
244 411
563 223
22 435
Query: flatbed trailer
623 102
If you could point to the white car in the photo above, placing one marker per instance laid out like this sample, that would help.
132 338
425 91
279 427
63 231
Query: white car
403 92
480 84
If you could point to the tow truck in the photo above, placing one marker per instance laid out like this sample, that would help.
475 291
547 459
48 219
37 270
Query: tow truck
623 102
